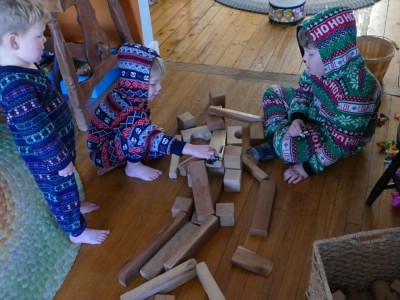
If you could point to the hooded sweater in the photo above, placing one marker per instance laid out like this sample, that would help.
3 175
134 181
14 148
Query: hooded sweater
121 127
343 104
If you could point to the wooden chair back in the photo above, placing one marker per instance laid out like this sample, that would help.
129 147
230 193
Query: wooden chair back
95 49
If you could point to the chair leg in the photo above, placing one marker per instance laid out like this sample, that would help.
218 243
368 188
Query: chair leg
378 188
383 182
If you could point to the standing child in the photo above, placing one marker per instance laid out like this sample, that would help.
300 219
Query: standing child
121 129
333 112
38 117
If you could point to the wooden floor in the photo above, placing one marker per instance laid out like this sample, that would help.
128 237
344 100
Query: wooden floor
209 46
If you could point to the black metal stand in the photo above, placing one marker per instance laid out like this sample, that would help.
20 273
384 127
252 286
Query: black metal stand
389 174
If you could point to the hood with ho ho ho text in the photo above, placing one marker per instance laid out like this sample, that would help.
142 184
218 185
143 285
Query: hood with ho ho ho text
334 32
134 63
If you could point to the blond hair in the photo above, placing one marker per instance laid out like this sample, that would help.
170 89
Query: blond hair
17 16
158 66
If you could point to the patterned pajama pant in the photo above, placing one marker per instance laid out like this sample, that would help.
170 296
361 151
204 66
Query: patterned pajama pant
62 196
275 104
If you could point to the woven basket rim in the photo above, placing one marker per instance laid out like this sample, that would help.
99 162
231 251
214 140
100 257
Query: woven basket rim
383 39
358 235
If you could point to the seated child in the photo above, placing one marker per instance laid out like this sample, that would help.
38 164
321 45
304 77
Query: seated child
333 112
121 129
38 117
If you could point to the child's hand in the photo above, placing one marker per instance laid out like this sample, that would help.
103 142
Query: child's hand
296 128
69 170
200 151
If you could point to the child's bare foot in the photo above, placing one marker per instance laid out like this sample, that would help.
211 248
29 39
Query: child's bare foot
88 207
139 170
101 171
90 236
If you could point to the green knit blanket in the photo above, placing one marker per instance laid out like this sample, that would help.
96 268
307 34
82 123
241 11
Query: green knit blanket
35 254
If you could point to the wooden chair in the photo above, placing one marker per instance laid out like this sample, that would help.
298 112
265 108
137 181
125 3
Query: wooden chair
95 49
389 177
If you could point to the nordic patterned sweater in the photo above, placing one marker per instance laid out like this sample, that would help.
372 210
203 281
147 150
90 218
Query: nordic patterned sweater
121 127
344 102
38 117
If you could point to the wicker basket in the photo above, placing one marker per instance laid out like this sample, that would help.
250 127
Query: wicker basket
354 260
377 53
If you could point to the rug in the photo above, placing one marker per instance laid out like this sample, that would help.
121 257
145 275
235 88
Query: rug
35 254
311 6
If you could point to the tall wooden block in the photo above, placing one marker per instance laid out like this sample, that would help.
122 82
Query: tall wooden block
216 98
208 282
233 157
226 214
165 282
252 261
232 180
132 267
185 121
233 114
164 297
253 169
155 265
194 243
183 165
182 204
201 190
263 210
256 133
173 165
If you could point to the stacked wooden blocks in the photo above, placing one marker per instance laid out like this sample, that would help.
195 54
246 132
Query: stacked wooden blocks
168 261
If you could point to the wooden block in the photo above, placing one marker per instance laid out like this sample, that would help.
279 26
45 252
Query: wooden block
216 98
201 190
165 282
164 297
215 123
185 121
182 203
234 134
218 142
194 243
183 165
216 183
173 166
253 169
233 157
174 162
132 267
252 261
232 180
189 180
226 214
256 133
395 286
208 282
155 265
233 114
338 295
263 210
195 219
216 171
200 132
